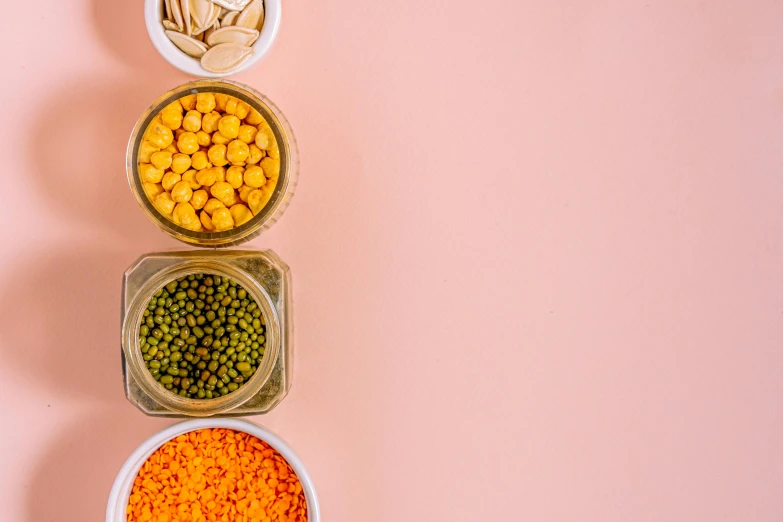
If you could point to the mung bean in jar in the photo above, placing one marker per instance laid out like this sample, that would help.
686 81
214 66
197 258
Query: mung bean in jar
207 333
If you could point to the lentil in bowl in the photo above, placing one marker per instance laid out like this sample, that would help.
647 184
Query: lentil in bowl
122 490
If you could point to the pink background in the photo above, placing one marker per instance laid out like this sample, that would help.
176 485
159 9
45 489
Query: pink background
536 251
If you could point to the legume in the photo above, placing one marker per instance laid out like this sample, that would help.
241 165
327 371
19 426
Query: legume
212 169
216 474
207 352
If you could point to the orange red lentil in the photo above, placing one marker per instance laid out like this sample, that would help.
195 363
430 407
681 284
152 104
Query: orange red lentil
216 475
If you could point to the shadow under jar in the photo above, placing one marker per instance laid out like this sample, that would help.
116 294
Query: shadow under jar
286 181
265 277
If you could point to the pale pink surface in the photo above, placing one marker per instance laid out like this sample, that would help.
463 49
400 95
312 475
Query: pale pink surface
536 251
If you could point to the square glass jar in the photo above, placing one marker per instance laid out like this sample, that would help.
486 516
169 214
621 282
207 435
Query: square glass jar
265 277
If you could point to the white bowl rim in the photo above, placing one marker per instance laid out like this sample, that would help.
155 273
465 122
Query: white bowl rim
120 491
186 64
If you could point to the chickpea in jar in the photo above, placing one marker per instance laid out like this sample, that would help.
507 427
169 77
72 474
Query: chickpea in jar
209 162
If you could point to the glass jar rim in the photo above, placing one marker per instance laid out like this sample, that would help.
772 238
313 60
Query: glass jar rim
170 400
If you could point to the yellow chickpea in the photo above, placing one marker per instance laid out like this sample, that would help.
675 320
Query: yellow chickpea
190 177
146 150
229 126
247 133
220 101
221 173
219 139
208 177
253 117
222 219
234 176
184 214
237 152
243 109
244 192
231 105
256 200
204 139
164 203
179 132
187 143
181 193
205 102
212 205
222 191
199 199
175 106
262 137
172 149
217 155
269 134
180 163
273 152
254 177
152 189
192 121
271 167
232 199
161 159
206 221
160 135
209 122
195 225
188 102
171 118
169 180
149 173
255 155
241 214
199 160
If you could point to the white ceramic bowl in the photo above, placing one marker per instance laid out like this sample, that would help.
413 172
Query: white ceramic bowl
120 492
153 13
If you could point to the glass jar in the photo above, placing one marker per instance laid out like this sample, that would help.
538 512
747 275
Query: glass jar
281 196
265 277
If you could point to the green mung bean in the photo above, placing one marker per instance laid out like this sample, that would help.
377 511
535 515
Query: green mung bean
196 330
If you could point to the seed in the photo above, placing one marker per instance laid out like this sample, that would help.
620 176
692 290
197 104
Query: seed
188 45
194 355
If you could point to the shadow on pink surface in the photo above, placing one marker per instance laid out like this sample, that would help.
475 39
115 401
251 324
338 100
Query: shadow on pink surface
72 481
122 29
59 330
81 166
60 323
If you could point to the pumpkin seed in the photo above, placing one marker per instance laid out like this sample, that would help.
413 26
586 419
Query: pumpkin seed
200 10
185 6
188 45
252 16
213 18
233 34
176 11
171 26
211 30
225 57
229 19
